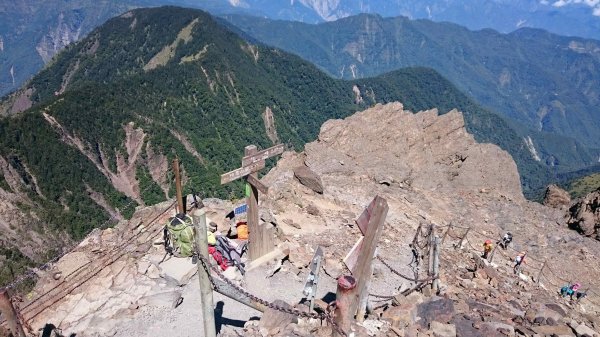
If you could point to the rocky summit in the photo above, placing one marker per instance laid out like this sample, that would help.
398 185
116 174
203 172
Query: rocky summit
428 168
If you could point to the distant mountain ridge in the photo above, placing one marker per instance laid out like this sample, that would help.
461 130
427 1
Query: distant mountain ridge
577 18
546 82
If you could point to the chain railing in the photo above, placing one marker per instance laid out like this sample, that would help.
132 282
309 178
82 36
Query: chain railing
292 311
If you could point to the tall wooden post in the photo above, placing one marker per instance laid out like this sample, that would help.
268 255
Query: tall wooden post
260 240
9 312
435 286
540 272
206 295
460 244
375 215
254 249
180 207
344 297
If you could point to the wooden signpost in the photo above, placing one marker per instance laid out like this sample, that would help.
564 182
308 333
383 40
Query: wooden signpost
359 259
259 240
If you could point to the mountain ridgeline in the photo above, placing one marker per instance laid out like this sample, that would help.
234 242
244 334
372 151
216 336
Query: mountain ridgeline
110 112
547 83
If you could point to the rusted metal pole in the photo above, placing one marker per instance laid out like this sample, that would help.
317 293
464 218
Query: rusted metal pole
344 297
460 244
206 295
431 252
10 314
180 208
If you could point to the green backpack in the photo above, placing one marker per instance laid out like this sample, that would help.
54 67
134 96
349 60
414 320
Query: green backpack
179 236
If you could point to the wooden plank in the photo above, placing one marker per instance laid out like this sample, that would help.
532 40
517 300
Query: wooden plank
352 257
254 181
367 251
363 219
262 155
242 172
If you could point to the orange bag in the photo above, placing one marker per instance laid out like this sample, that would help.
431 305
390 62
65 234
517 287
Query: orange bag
242 231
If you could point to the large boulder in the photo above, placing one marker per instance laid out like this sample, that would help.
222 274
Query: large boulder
584 215
309 178
556 197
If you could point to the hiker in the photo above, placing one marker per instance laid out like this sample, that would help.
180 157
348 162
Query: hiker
569 290
579 295
520 259
487 248
506 240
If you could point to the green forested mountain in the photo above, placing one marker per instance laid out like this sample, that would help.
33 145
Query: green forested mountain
112 110
547 83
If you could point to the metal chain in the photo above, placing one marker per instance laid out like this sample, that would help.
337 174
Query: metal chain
404 276
292 311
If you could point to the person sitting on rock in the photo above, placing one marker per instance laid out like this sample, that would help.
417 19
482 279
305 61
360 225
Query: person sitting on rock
519 260
487 248
505 241
569 290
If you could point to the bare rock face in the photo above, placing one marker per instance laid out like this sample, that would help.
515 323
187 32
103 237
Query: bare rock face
556 197
585 215
423 150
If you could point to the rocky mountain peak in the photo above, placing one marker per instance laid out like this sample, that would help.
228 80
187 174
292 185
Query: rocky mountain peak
428 168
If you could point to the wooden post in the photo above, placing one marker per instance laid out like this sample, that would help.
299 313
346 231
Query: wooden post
180 207
10 314
362 271
540 272
344 297
260 240
435 286
364 299
460 244
225 289
206 296
256 242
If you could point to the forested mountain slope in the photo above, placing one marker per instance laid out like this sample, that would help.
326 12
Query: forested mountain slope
546 82
110 113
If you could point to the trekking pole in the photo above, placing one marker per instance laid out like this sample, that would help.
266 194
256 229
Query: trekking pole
9 312
206 295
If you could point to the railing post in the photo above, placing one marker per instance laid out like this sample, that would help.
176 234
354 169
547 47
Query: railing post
436 264
540 272
9 312
206 295
460 244
180 207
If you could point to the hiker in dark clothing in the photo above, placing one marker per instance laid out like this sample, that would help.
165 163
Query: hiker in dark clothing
506 240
